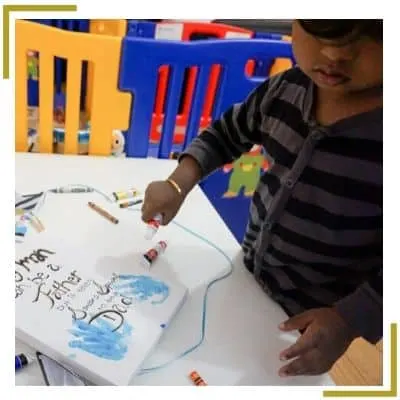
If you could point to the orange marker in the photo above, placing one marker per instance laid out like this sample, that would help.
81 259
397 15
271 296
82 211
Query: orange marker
197 379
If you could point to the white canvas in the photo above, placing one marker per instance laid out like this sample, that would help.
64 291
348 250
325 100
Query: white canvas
102 327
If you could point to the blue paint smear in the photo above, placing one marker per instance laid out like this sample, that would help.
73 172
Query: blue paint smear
99 339
142 288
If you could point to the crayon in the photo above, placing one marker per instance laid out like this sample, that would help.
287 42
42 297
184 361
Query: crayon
197 379
103 213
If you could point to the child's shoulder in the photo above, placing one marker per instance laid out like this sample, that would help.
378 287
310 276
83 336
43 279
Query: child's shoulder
289 89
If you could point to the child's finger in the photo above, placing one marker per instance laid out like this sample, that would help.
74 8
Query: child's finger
167 217
299 321
304 344
148 211
307 364
296 367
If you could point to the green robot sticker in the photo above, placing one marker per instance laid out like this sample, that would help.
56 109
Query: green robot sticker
245 173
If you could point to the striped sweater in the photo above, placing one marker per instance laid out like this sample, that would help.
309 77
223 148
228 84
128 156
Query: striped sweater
314 236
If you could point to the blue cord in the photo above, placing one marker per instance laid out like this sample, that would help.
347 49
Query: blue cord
204 310
209 285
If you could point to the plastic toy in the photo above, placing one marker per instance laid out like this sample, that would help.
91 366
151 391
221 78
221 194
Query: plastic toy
32 141
118 144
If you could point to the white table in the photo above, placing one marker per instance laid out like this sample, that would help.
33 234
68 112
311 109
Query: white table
242 339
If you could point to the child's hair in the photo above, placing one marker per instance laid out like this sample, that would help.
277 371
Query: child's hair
339 28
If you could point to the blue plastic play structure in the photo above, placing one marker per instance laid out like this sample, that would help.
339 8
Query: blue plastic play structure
140 78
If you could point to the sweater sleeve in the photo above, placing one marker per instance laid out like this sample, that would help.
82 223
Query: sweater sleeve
363 309
234 133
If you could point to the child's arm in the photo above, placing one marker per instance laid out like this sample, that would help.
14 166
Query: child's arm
363 309
233 134
226 139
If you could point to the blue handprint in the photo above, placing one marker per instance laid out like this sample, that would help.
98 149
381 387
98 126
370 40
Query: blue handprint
141 288
99 339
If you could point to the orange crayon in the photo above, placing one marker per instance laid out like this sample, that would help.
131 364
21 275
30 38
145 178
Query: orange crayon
197 379
103 213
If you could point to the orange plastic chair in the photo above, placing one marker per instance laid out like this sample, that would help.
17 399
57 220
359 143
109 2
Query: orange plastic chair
109 108
281 64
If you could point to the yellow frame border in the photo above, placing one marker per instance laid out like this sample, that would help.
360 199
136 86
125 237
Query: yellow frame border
8 9
392 392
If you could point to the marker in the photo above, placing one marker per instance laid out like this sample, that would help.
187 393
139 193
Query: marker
21 361
152 226
73 189
129 194
103 213
20 230
19 211
197 379
130 203
150 256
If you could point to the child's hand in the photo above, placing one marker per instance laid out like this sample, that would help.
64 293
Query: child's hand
325 338
161 198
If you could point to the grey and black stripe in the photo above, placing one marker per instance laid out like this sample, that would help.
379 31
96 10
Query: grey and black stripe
314 236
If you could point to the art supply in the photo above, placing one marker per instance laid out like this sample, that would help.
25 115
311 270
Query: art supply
197 379
72 189
129 194
152 226
20 230
34 221
130 203
21 361
103 212
27 201
151 255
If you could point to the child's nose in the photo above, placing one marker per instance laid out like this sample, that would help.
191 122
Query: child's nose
337 54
